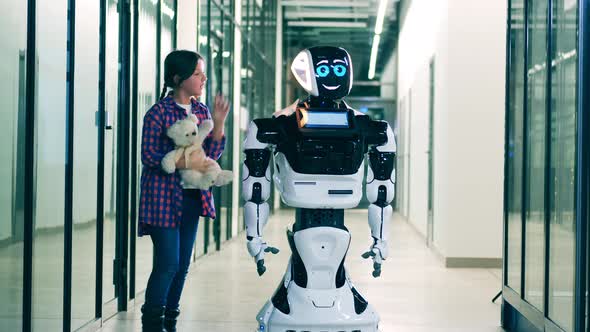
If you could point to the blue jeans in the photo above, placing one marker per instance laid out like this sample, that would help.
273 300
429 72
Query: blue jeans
172 254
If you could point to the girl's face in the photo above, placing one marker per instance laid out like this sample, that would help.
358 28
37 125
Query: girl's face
194 85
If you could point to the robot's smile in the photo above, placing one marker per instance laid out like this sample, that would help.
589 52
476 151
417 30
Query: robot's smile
331 87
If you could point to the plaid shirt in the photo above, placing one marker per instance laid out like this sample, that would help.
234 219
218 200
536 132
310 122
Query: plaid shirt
161 193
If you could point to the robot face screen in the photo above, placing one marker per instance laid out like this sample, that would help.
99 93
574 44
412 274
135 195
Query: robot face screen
333 71
324 71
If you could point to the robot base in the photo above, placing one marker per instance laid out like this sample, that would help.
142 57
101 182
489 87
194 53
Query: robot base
329 310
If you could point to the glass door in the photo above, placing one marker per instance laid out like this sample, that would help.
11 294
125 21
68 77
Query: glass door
212 227
535 156
85 154
147 95
49 176
562 145
109 294
545 195
13 29
224 196
430 221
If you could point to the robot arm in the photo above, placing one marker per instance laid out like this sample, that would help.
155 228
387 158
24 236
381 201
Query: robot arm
380 192
255 191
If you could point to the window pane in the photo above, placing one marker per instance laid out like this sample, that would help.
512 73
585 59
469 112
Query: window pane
514 153
110 154
214 81
147 90
203 49
224 194
166 34
563 153
48 250
13 28
535 214
85 163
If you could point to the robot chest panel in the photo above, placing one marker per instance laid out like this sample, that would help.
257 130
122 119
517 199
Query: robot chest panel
324 155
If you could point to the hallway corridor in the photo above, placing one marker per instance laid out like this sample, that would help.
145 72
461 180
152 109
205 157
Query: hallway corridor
415 293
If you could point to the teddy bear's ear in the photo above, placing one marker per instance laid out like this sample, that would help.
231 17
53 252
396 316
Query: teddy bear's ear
172 131
193 118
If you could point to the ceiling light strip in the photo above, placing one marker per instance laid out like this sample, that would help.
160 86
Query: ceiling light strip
374 49
380 17
323 14
327 24
377 37
325 4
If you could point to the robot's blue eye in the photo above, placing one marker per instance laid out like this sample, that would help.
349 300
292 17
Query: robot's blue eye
323 71
339 70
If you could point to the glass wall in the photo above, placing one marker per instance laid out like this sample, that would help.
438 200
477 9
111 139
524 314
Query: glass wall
515 145
226 60
110 150
563 153
542 166
98 279
258 69
85 163
50 118
167 32
204 231
535 152
147 93
13 33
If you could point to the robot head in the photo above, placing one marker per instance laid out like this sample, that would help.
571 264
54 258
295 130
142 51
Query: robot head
324 71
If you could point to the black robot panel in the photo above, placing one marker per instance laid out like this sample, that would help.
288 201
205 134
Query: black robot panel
335 151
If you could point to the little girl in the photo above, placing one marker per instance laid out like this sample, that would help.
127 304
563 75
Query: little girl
169 213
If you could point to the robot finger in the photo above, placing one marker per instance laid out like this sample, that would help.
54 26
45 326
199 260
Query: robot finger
272 250
376 270
260 268
368 254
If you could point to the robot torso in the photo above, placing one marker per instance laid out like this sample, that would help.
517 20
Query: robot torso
319 154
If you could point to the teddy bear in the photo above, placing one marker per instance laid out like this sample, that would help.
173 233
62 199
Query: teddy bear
188 138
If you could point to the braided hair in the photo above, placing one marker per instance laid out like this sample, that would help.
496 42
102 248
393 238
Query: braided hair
178 66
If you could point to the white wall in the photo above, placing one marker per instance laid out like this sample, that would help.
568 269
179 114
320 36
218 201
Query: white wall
476 109
466 39
421 39
418 98
388 77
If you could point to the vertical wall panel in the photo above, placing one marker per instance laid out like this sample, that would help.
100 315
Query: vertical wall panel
13 33
535 183
553 192
146 76
562 176
515 145
85 162
50 112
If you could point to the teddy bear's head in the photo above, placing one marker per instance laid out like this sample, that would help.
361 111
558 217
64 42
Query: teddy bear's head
184 132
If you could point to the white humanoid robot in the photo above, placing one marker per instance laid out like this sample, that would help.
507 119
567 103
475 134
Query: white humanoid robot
318 148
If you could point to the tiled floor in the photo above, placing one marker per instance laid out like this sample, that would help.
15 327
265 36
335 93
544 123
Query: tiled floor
416 293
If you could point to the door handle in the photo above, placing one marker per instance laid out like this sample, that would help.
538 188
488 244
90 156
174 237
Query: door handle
108 121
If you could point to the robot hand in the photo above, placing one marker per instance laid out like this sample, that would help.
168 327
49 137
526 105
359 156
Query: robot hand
378 251
257 248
